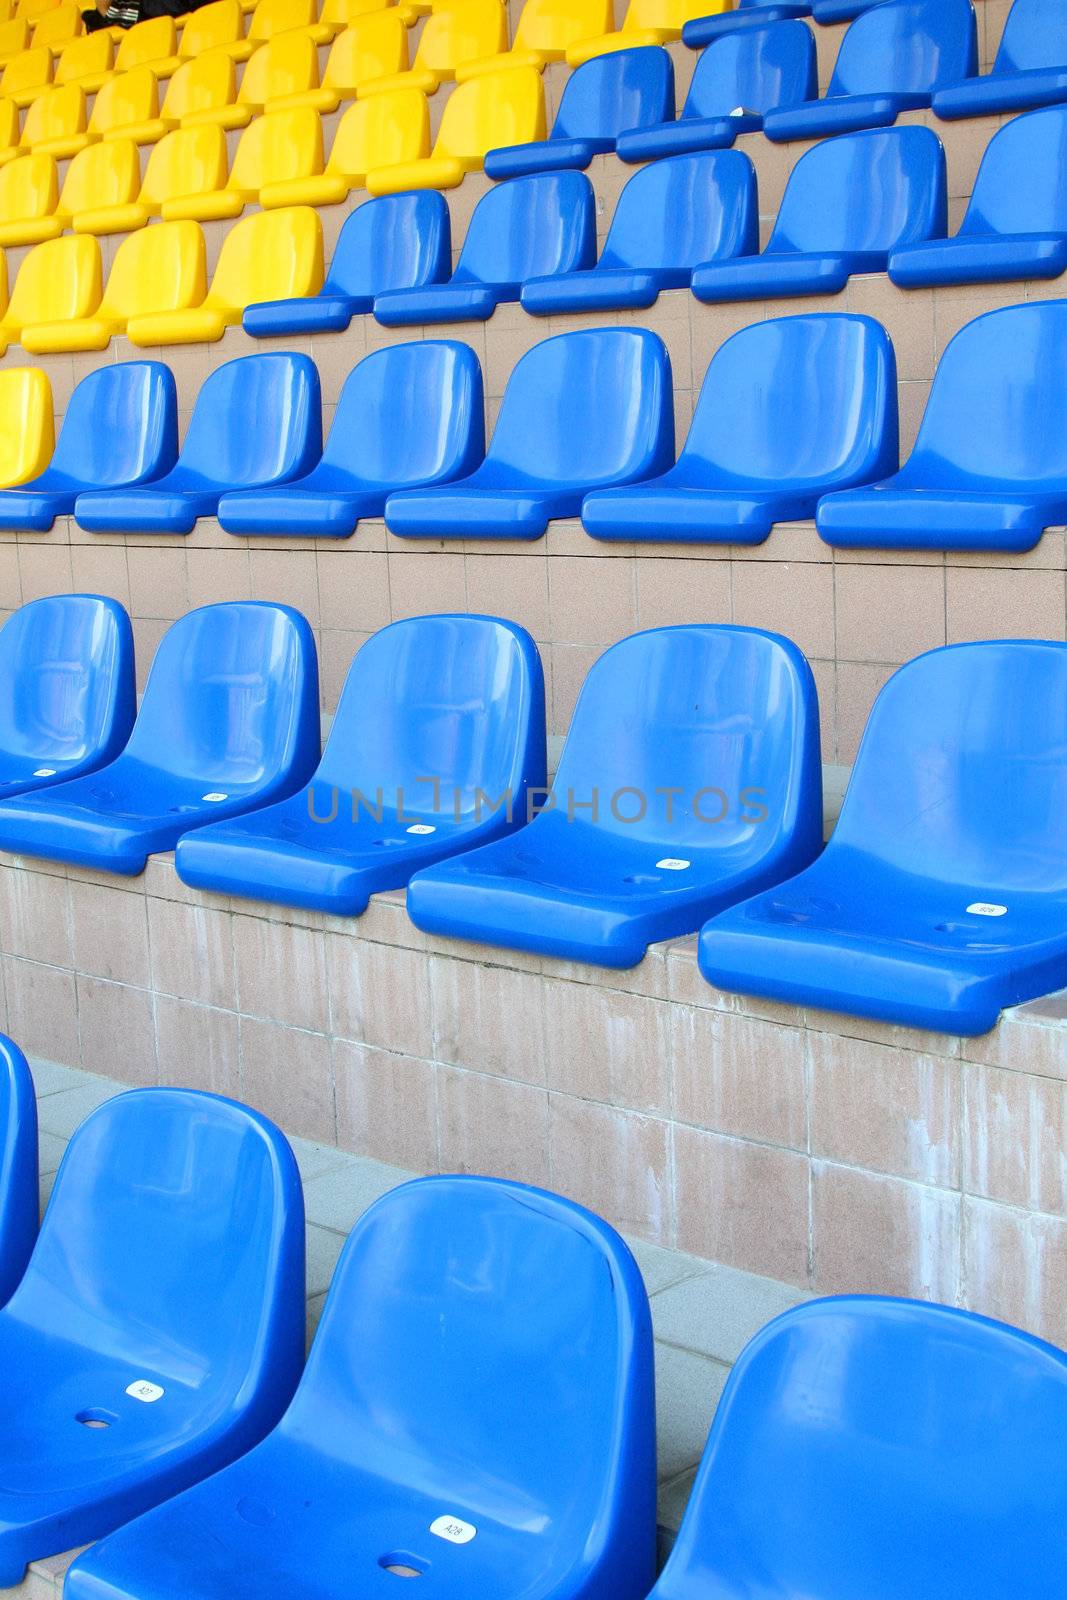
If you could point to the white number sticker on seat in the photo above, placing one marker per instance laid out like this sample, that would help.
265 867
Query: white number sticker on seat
214 794
422 827
673 864
144 1389
985 908
45 772
454 1529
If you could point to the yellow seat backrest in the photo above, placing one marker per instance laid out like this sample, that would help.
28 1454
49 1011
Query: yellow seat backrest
554 24
501 108
163 268
271 255
58 26
201 86
287 64
342 13
55 114
30 10
9 125
80 57
14 35
187 161
277 16
147 41
462 32
370 47
127 98
661 14
27 70
220 23
28 188
27 424
57 281
278 146
102 175
382 131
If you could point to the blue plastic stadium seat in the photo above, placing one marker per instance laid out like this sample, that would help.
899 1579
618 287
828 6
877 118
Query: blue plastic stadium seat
736 81
229 721
438 737
280 391
158 1331
410 414
942 895
67 689
602 98
671 216
848 204
397 241
1030 68
987 472
543 224
691 773
749 14
580 411
892 59
790 408
861 1417
1015 226
476 1409
827 12
18 1166
120 428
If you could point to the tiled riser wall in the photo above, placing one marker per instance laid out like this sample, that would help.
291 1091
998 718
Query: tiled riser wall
811 1148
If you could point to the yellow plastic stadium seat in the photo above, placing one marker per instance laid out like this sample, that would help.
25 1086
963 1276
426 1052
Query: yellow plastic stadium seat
57 281
58 26
382 132
14 38
98 180
646 22
87 62
546 28
27 75
150 44
462 32
280 146
185 162
29 194
371 47
27 426
127 107
279 16
212 27
501 108
273 255
155 272
9 132
55 123
204 91
30 10
284 74
340 14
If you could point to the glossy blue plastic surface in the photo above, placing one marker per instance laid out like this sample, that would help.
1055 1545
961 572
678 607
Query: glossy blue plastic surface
892 59
229 720
1015 226
790 408
757 69
848 204
671 216
748 14
257 421
397 241
908 1449
408 414
67 689
19 1193
172 1254
120 428
581 410
698 749
437 714
1030 68
543 224
484 1359
602 98
942 895
988 470
830 11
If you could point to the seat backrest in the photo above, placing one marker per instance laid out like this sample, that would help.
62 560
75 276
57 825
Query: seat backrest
174 1238
528 227
685 210
588 407
808 398
271 255
672 14
27 426
153 40
760 69
997 384
555 24
30 10
611 93
498 109
727 716
30 69
14 35
121 422
102 175
91 54
373 46
875 190
55 114
343 13
201 85
397 241
863 1416
162 268
187 161
1035 35
454 1300
459 699
28 188
275 16
382 131
907 45
57 281
276 147
220 23
9 124
410 412
1021 185
66 667
58 25
281 390
464 30
287 64
18 1157
129 98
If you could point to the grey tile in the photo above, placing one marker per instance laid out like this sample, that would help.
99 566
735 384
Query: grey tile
62 1113
339 1197
315 1159
323 1249
660 1268
717 1313
50 1148
314 1312
687 1391
50 1078
674 1497
45 1186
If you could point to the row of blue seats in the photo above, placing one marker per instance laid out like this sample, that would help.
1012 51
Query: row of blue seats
688 794
156 1398
797 417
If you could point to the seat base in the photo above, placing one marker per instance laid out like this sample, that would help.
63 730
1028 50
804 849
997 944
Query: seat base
319 313
979 259
329 189
433 172
461 512
202 325
1002 91
445 302
846 113
544 155
904 515
312 509
599 289
767 277
702 30
669 512
685 137
81 333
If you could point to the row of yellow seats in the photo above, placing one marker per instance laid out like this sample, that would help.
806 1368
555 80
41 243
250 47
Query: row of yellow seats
381 144
157 291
